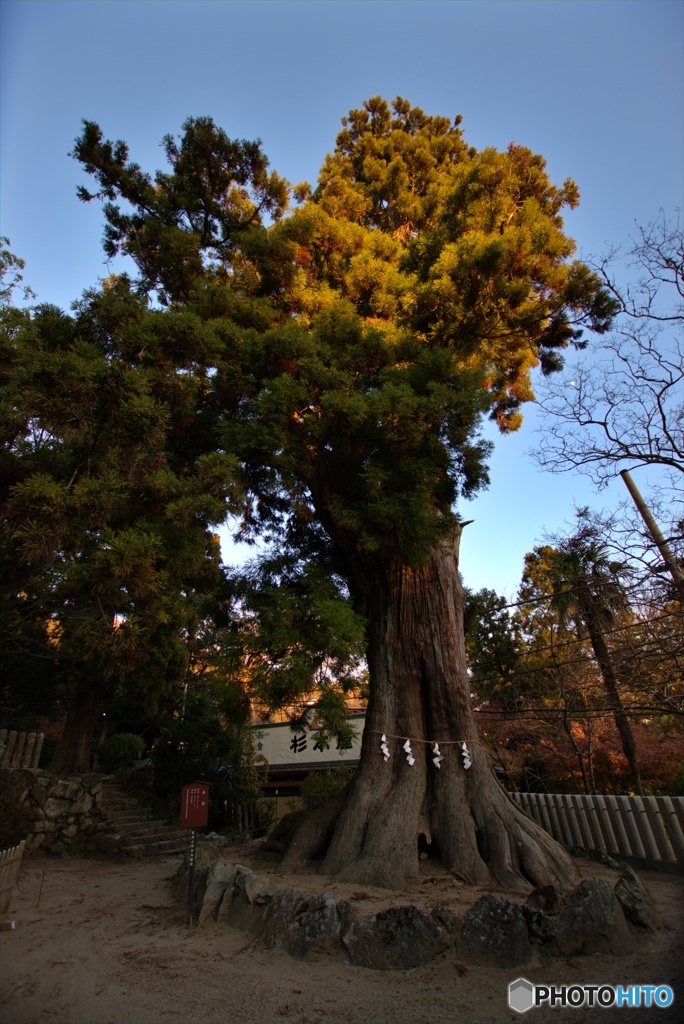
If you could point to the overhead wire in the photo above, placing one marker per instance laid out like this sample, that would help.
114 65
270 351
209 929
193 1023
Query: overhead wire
558 665
621 654
562 593
642 623
638 709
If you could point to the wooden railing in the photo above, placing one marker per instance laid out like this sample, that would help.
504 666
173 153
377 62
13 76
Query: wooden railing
10 862
20 749
649 828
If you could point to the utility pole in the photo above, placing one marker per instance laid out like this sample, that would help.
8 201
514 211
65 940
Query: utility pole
653 529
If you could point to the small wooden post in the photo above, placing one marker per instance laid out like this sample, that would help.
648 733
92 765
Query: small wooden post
40 739
10 862
27 755
194 814
191 879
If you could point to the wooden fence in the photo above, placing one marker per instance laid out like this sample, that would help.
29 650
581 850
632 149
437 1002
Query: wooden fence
10 861
649 828
20 749
242 817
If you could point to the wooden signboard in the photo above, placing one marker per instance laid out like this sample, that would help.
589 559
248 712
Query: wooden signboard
194 814
194 805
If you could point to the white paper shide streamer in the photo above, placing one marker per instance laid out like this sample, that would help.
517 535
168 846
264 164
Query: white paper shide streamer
437 755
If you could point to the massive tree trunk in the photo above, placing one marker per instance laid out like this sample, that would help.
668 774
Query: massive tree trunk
74 750
420 692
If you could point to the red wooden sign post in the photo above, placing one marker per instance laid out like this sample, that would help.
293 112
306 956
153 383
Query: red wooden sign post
194 805
194 814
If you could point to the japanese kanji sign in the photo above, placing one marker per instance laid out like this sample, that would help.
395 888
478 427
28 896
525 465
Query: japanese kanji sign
194 805
280 746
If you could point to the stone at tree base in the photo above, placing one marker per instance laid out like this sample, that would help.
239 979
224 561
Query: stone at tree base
267 913
245 906
303 923
205 858
592 921
448 920
546 898
234 895
539 925
395 939
634 901
220 878
316 927
495 933
252 885
298 922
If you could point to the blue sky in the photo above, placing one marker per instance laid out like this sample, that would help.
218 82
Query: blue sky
596 87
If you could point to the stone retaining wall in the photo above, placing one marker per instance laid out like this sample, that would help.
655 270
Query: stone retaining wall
66 810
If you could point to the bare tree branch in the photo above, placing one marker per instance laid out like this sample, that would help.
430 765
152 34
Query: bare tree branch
622 404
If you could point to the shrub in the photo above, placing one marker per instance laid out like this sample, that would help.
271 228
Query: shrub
119 750
318 787
677 788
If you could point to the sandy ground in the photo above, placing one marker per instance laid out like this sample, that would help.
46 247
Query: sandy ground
98 942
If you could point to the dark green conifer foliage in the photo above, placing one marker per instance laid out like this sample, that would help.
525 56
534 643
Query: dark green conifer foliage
113 486
295 641
494 650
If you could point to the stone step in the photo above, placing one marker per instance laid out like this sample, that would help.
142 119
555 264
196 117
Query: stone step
128 817
153 841
165 847
154 828
134 827
131 829
120 802
116 811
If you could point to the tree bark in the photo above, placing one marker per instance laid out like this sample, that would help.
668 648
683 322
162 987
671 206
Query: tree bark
578 753
420 691
73 753
592 620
